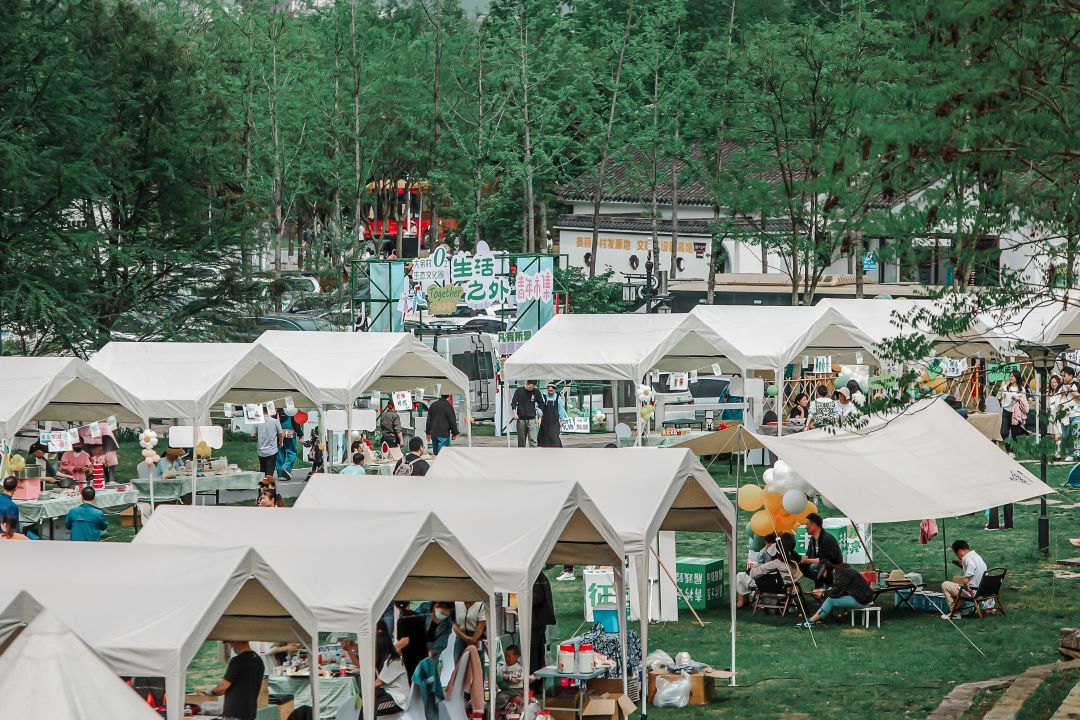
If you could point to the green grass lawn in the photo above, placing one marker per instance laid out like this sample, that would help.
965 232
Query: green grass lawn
902 670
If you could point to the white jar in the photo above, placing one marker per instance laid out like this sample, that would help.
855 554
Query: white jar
567 659
585 659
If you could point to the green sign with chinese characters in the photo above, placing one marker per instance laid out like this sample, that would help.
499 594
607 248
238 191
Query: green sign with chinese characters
998 371
701 581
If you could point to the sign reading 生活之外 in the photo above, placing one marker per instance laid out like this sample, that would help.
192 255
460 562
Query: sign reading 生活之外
482 276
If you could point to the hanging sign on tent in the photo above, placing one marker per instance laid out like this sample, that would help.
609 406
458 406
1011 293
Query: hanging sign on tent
376 398
111 422
858 358
998 371
253 413
693 376
716 370
951 368
883 381
403 400
95 430
576 424
289 404
822 364
678 381
271 408
58 440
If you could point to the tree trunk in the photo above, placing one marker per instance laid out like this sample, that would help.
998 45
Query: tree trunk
529 244
436 132
674 268
860 278
542 233
358 178
599 196
478 171
655 208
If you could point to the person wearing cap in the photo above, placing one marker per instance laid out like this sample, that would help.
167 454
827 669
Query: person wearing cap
525 402
552 412
86 522
40 452
844 406
441 425
173 462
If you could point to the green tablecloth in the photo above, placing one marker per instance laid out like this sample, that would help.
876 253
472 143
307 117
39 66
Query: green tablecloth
111 501
332 691
177 487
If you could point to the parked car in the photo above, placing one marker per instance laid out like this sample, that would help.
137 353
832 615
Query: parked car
252 327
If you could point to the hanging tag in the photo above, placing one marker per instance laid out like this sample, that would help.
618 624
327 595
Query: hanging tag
111 422
716 369
858 358
227 410
271 408
95 430
289 405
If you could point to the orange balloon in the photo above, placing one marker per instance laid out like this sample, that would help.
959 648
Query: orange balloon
786 523
761 523
773 502
810 508
751 497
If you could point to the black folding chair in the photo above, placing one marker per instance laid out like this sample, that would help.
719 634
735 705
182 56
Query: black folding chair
773 593
989 590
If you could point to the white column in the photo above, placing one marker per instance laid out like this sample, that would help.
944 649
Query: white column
620 602
314 671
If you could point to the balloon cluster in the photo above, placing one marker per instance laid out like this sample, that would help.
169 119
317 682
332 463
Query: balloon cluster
16 464
148 439
782 505
853 372
646 397
202 449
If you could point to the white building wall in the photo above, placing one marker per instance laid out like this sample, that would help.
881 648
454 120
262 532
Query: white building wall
686 212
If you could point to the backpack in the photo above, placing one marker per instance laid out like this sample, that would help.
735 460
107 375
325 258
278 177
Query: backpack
405 467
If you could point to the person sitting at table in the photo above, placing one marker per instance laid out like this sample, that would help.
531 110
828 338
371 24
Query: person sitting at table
391 681
413 463
173 462
40 452
9 528
974 568
847 589
354 448
357 466
241 684
86 522
798 410
821 548
782 558
76 463
823 410
8 506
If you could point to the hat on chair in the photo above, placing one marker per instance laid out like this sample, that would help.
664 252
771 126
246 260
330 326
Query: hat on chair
896 577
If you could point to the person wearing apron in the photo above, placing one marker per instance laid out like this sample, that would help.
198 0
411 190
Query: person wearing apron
552 412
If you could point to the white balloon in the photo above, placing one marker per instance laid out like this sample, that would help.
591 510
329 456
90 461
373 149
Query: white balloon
782 474
767 476
794 501
781 465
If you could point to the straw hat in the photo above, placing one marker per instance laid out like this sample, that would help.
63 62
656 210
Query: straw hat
175 453
896 577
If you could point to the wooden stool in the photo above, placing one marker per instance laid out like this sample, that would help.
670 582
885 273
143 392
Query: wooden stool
866 611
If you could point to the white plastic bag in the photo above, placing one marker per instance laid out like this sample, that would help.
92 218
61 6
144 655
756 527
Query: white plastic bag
658 658
672 693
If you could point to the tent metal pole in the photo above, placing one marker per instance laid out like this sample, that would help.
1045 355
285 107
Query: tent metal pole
194 462
620 605
493 661
468 418
314 672
733 552
944 549
506 403
779 403
153 469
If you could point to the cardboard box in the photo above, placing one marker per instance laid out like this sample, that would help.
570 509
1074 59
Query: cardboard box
604 701
702 685
285 709
127 517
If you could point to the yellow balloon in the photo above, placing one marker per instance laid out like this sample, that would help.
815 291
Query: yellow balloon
938 384
810 508
761 523
786 523
773 502
751 497
646 412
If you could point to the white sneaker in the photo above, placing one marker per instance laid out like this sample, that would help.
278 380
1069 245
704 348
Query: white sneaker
950 616
566 576
1070 458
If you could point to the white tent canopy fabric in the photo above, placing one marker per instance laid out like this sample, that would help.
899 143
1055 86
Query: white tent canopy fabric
147 610
923 462
48 672
512 527
183 380
770 337
333 368
19 611
58 388
613 347
639 492
1045 324
400 555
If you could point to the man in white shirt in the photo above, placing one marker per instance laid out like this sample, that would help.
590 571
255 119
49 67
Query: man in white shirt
268 438
823 409
974 568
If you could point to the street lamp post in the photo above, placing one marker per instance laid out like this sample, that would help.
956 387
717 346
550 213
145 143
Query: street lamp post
1043 357
648 284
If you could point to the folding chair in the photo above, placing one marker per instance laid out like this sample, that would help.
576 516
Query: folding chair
989 589
773 593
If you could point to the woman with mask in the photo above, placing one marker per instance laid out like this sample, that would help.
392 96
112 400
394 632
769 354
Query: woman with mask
552 412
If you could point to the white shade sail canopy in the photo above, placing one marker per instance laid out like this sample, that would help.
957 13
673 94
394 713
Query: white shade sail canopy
335 367
48 672
18 612
183 380
58 388
146 610
1050 323
613 347
875 321
770 337
923 462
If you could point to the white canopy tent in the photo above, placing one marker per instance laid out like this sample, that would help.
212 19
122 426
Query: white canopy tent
639 492
559 524
48 672
401 555
333 368
58 388
147 610
923 462
20 610
1046 324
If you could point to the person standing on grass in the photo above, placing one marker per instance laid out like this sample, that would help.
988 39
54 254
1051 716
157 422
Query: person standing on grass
242 683
286 454
441 425
268 439
86 522
1014 410
1070 406
847 589
821 548
974 568
525 402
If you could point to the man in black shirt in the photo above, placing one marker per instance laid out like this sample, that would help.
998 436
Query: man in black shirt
243 680
524 404
413 463
821 548
442 424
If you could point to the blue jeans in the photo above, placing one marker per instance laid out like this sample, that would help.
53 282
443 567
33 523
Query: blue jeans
285 460
830 604
438 443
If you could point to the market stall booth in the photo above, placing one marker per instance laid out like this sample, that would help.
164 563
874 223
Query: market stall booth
559 523
48 672
184 380
638 491
615 348
334 368
1055 321
147 610
400 554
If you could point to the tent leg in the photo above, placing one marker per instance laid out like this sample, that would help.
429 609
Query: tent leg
508 414
493 662
525 639
620 605
468 419
779 403
194 463
174 694
944 549
314 654
732 552
641 567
